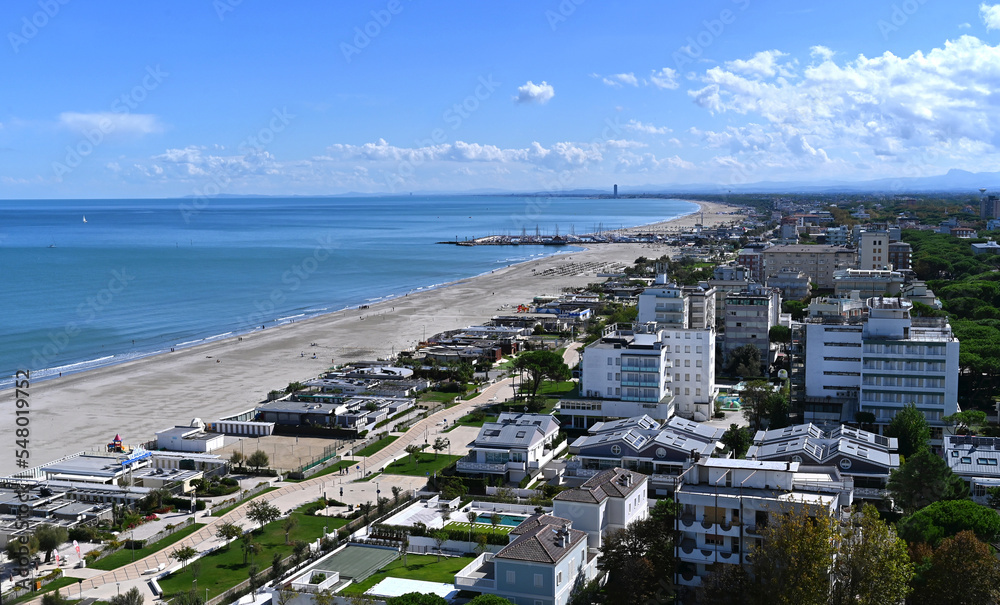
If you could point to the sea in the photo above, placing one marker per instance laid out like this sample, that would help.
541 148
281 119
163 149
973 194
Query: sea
90 283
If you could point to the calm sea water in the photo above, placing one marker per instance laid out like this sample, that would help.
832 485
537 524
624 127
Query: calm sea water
141 276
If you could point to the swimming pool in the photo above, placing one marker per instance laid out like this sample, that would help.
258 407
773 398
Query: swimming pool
511 520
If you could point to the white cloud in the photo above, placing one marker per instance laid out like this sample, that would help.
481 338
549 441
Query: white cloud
617 80
535 93
964 25
820 52
762 64
664 78
135 124
990 14
637 126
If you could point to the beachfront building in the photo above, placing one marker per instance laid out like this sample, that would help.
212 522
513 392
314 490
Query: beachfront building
866 457
684 317
726 503
605 503
873 250
837 236
354 414
976 460
749 316
644 445
880 362
545 559
513 447
726 279
191 438
818 262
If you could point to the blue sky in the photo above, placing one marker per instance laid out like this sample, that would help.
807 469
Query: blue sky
160 99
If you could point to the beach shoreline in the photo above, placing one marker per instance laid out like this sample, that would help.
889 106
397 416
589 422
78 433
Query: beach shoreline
83 410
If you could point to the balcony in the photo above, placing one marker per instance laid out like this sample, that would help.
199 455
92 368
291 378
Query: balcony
477 575
873 493
633 368
470 466
645 384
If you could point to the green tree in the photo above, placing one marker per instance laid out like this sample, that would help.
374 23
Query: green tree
962 571
639 558
755 402
236 459
188 598
994 496
922 480
439 537
738 439
49 538
909 426
416 598
939 520
780 334
277 566
413 449
54 598
872 566
184 554
288 525
262 512
293 387
227 532
258 460
791 564
541 366
14 546
744 361
969 421
489 599
796 308
132 596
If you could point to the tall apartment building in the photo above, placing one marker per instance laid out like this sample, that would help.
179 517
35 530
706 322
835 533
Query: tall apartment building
726 503
873 250
684 316
753 260
838 236
818 262
879 363
989 207
900 254
726 279
750 314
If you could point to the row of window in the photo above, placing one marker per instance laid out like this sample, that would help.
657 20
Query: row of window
907 349
687 363
901 381
687 349
904 366
968 459
918 398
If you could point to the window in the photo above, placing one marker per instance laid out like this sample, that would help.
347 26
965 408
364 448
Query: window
511 578
609 375
538 580
687 349
966 460
618 361
558 578
698 349
714 540
618 376
687 391
616 449
697 363
609 361
697 392
687 363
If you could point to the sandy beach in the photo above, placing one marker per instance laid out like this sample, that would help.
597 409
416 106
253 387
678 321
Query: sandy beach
84 411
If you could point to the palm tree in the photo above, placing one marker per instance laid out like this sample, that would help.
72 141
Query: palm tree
288 525
396 491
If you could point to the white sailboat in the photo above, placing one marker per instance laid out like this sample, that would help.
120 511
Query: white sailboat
85 218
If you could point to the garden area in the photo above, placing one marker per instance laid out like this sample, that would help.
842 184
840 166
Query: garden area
416 567
126 555
375 447
421 464
227 567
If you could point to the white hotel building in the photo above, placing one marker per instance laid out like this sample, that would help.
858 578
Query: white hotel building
879 363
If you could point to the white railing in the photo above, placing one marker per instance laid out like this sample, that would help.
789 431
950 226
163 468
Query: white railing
473 467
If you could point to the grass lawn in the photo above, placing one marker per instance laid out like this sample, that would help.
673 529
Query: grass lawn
124 557
225 510
467 420
438 396
335 468
426 463
375 447
419 567
550 393
60 583
223 569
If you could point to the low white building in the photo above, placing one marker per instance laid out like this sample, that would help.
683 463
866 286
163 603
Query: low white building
192 438
513 447
976 460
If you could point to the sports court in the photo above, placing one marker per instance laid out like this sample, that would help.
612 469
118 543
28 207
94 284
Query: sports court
356 561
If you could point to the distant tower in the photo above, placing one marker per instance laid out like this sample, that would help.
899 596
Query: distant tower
616 191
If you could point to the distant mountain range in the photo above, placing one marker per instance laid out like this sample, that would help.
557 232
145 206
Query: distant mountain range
953 181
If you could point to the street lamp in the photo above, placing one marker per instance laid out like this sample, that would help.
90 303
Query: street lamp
119 588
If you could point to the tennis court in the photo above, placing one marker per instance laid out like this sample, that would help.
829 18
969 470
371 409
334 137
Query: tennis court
358 562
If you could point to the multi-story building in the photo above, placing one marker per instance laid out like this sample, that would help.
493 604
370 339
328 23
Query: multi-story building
726 279
753 260
794 285
868 282
513 447
818 262
900 255
989 207
605 503
879 363
625 373
873 250
866 457
726 503
838 236
684 317
544 560
749 316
